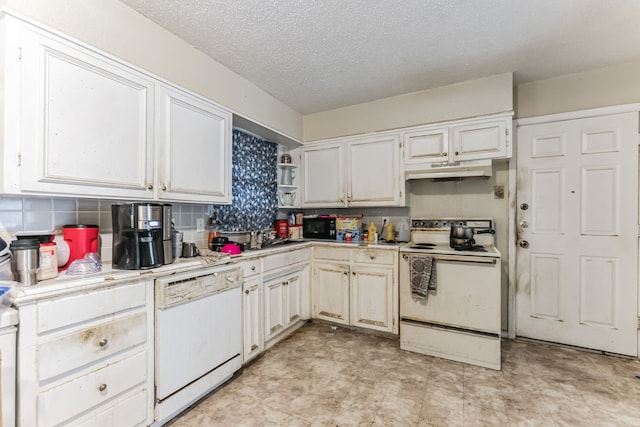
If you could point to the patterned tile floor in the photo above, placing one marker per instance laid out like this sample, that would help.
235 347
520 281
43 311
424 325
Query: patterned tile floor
325 377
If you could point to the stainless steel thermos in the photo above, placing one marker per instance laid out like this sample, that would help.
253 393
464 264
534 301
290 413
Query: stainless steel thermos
25 260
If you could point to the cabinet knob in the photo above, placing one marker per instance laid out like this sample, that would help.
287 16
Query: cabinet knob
150 187
346 273
456 153
247 292
102 387
444 154
253 268
164 188
103 342
353 272
372 257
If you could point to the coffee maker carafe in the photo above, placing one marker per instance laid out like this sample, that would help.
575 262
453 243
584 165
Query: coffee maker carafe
137 236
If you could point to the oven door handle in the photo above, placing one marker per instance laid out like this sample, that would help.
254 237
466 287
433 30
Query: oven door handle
458 258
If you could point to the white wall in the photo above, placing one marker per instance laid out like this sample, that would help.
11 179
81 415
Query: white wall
462 100
112 26
615 85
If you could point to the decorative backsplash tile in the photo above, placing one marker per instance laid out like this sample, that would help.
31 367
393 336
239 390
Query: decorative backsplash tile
254 204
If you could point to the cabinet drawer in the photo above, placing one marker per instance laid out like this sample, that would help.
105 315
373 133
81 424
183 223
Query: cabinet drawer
373 256
285 259
251 268
331 252
89 345
130 412
80 394
57 313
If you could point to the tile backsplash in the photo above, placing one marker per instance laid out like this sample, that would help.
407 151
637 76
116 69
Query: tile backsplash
44 214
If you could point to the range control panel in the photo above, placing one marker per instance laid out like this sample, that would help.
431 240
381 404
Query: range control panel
446 223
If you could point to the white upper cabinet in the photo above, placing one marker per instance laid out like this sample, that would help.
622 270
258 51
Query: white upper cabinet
194 148
323 175
473 139
86 120
82 123
374 172
362 171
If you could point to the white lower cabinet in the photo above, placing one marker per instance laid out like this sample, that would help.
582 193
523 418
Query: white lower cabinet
360 290
286 293
282 301
86 357
253 336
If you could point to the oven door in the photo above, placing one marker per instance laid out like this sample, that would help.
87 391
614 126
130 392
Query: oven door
467 294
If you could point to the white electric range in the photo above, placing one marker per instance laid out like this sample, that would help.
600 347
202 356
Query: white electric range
450 300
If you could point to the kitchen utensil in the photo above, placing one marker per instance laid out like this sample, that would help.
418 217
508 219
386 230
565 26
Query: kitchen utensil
286 178
81 238
461 237
42 236
189 250
176 243
287 198
231 249
25 260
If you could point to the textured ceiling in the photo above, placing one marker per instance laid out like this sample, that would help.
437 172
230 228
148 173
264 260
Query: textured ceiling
324 54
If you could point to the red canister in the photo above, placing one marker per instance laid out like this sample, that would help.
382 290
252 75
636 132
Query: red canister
282 228
81 238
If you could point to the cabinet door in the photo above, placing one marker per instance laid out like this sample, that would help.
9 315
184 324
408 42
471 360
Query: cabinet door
252 311
330 289
274 320
426 146
372 298
480 140
292 299
374 172
323 176
87 123
194 158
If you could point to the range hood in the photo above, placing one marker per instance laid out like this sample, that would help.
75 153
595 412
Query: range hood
472 168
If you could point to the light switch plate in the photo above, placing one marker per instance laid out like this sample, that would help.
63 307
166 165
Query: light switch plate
199 224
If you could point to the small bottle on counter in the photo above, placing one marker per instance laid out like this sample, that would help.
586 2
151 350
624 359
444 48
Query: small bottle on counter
214 231
372 231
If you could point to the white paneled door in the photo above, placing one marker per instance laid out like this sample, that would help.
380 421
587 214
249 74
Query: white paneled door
577 224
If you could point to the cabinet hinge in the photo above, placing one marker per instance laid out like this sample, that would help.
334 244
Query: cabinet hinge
639 323
19 159
19 53
506 132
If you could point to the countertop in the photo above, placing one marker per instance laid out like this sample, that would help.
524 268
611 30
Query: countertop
68 282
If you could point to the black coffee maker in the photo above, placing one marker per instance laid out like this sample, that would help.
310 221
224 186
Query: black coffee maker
137 236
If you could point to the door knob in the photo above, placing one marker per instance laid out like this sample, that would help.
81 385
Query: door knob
524 244
524 224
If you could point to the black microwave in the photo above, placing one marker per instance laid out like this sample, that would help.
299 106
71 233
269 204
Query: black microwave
319 228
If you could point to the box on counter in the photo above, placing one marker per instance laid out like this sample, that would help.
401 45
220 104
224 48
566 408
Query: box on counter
349 223
341 235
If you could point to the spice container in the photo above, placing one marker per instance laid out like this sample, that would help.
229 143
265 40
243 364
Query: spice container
48 261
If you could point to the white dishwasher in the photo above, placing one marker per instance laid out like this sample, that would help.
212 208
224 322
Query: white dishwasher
198 335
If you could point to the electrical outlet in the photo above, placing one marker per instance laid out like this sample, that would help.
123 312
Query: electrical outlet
385 221
199 224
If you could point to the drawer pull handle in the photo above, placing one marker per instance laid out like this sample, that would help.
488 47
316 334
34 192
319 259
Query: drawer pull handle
102 387
103 342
